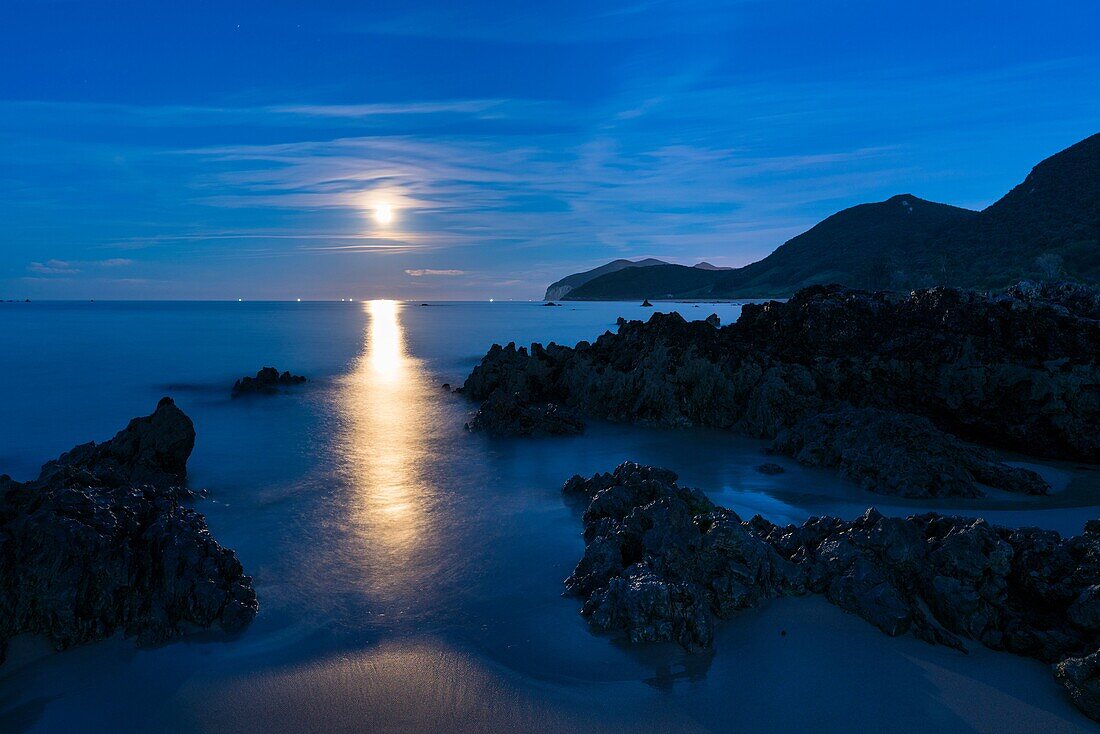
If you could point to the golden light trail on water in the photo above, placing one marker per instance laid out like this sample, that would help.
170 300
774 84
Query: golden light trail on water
385 449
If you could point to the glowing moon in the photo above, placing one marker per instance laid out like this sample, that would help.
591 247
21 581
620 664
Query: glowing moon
383 214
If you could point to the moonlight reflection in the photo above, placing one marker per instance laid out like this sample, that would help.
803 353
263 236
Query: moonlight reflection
385 449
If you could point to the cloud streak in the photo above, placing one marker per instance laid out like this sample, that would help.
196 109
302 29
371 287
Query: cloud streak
418 273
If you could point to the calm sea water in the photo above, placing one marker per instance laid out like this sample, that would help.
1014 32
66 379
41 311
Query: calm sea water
410 573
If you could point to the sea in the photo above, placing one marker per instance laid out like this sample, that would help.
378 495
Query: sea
409 572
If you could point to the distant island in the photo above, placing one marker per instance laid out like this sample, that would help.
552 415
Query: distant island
1045 228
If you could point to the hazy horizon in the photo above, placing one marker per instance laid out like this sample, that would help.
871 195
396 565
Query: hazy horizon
422 152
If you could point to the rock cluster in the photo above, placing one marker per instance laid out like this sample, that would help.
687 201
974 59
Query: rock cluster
900 454
267 381
1019 370
102 542
505 415
662 561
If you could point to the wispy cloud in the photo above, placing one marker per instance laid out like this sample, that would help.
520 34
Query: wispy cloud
53 267
69 267
417 273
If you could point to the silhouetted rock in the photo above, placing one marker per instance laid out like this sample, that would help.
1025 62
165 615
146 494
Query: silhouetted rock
1016 371
101 542
662 561
646 303
267 381
713 320
151 450
551 303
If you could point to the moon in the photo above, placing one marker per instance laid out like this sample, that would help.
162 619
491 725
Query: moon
383 214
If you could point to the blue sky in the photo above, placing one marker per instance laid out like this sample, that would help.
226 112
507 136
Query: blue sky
237 149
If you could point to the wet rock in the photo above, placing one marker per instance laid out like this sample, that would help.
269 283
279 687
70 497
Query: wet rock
268 381
1018 371
661 562
898 454
1081 678
103 542
151 450
506 415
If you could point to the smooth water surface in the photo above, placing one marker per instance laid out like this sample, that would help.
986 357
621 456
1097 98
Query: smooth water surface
410 573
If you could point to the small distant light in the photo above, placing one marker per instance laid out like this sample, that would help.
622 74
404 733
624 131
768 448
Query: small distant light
238 300
299 300
490 300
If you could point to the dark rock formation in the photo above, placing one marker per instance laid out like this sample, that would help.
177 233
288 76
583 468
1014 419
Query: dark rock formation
713 320
646 303
899 454
1081 678
151 450
267 381
551 303
661 561
101 542
1018 370
504 415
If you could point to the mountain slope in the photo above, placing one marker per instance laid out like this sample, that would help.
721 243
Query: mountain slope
658 281
1046 227
861 246
557 291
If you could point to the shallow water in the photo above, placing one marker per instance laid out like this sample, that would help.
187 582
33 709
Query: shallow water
409 573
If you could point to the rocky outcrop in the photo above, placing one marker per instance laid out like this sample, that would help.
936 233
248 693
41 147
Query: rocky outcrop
268 381
103 542
505 415
899 454
151 450
1018 370
1081 678
661 562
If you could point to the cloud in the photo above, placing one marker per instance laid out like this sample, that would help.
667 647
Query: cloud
53 267
429 271
71 267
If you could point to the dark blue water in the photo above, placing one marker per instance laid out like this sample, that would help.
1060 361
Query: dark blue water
409 573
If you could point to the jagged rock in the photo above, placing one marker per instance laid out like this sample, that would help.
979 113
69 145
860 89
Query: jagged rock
1081 678
662 561
506 415
101 542
551 303
268 381
1018 370
151 450
646 303
898 454
713 320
